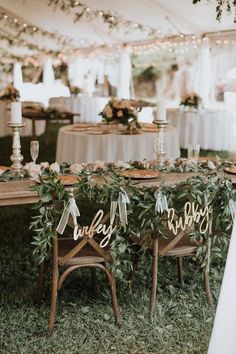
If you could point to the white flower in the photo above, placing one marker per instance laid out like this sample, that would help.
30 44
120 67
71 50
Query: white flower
122 164
99 165
33 170
44 164
55 167
76 168
1 172
211 165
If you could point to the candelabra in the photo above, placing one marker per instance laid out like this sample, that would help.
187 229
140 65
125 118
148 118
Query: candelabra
159 142
16 156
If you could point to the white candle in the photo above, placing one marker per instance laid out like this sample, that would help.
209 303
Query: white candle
161 110
16 113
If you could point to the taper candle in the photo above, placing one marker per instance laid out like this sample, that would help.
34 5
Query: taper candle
16 113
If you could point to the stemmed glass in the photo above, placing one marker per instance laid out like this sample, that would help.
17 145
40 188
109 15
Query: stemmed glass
34 150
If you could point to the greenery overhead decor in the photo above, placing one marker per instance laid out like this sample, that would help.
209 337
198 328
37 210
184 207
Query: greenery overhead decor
24 28
204 189
14 41
112 19
222 5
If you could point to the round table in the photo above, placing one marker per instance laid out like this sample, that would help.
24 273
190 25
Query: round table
77 147
210 128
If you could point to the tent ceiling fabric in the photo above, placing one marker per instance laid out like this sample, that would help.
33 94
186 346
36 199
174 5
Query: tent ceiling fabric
171 17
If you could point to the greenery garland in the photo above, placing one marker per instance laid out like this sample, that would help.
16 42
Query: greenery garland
204 189
221 5
112 19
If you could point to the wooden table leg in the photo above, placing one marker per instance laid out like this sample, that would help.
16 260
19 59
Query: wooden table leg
33 129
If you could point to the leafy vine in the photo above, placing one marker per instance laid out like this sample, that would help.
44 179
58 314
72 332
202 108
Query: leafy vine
98 189
221 5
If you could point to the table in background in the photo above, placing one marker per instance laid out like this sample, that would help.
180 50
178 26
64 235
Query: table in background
211 129
5 117
36 116
77 147
88 107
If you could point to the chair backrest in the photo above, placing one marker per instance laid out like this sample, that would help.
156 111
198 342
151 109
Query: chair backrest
87 238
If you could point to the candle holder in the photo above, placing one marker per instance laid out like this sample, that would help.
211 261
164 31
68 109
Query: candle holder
159 142
16 156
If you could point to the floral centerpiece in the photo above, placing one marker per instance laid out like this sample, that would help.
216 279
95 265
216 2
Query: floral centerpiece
9 93
191 100
121 112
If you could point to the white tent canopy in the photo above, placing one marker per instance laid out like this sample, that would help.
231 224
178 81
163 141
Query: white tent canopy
168 16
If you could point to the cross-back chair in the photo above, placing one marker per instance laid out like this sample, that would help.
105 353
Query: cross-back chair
178 246
85 252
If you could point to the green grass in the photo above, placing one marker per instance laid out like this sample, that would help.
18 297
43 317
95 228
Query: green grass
84 325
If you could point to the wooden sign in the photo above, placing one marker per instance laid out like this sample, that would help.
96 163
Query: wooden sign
193 214
96 227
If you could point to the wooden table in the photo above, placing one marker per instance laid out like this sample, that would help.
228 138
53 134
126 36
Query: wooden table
34 116
18 192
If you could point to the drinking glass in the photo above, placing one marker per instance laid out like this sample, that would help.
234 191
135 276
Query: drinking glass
34 150
193 152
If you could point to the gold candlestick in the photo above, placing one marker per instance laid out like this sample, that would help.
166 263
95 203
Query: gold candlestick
16 156
159 142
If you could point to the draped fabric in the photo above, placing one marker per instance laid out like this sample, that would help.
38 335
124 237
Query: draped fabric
223 339
125 72
48 73
203 75
17 75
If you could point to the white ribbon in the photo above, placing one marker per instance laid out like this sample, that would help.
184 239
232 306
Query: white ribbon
161 202
123 199
70 208
232 207
113 208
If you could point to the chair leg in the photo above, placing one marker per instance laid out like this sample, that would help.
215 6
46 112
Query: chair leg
55 276
135 261
181 271
41 282
206 274
154 277
94 282
207 287
115 304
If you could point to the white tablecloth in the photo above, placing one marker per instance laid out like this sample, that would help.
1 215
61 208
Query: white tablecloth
77 147
87 107
223 339
5 116
211 129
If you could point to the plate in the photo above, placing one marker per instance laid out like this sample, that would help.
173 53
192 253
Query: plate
231 170
97 132
140 174
66 180
5 168
150 130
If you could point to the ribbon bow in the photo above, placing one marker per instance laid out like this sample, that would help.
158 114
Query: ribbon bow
161 202
70 208
123 199
232 207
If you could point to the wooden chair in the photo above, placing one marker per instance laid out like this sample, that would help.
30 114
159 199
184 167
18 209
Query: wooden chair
178 246
83 253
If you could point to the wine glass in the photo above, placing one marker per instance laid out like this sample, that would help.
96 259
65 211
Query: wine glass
34 150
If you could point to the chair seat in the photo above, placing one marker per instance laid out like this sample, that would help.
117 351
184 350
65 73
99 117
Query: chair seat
183 248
